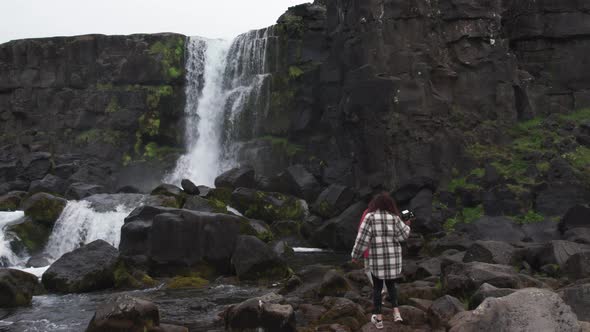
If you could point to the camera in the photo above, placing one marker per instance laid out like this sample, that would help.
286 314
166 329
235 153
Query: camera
407 215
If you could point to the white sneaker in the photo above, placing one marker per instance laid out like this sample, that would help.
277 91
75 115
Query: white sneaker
378 323
397 317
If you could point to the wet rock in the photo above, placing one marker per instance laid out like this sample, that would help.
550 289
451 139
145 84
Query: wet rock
578 298
43 208
529 309
486 290
443 309
49 184
343 311
170 191
128 190
236 178
254 260
125 313
39 260
189 187
463 279
339 233
78 191
16 288
30 234
197 203
578 266
332 201
413 316
88 268
11 201
263 312
577 216
334 284
297 181
493 229
493 252
267 206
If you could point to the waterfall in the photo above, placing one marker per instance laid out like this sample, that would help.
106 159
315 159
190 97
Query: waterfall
7 256
79 224
224 79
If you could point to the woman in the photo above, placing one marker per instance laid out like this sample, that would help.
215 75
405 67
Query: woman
381 232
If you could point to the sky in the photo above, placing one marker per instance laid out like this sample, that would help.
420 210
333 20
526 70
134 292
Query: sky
207 18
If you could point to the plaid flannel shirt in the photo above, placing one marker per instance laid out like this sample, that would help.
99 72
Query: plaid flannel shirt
382 232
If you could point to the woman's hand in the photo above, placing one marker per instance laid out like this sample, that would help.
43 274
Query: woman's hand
409 221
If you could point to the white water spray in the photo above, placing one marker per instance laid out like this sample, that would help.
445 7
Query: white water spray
7 256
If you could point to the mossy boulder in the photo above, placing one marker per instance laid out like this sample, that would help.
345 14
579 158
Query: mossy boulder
128 278
334 284
197 203
43 208
170 191
16 288
125 313
31 234
236 178
11 201
267 206
333 200
187 282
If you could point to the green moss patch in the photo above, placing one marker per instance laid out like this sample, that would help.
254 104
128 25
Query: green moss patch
33 235
467 215
530 217
136 280
283 144
170 54
107 136
187 282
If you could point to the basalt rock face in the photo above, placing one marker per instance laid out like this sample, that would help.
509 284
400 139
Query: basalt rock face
94 109
377 93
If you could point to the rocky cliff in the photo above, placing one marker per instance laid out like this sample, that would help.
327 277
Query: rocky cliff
97 109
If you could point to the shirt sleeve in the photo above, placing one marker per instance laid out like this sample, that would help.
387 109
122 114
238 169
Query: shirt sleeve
363 237
402 231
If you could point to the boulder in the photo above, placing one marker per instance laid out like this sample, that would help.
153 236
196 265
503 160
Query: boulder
267 206
189 187
170 191
543 231
125 313
49 184
43 208
254 260
197 203
421 205
334 284
31 234
343 311
578 235
578 298
558 252
418 289
332 201
493 229
578 266
463 279
78 191
443 309
486 290
493 252
453 241
577 216
264 312
528 309
39 260
88 268
559 197
16 288
339 233
297 181
11 201
237 177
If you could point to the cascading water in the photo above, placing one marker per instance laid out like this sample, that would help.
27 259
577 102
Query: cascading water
233 74
7 256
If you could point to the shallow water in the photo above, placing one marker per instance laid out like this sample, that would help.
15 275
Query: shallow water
196 309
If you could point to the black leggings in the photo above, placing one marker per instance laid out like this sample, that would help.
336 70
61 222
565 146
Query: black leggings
377 288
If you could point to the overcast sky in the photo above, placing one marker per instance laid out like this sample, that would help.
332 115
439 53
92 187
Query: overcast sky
207 18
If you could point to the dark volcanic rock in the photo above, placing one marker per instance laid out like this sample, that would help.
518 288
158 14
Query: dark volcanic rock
78 191
576 217
332 201
125 313
486 290
170 191
88 268
529 309
578 266
493 252
16 288
559 252
255 260
334 284
493 229
296 180
578 298
43 208
11 201
31 234
49 184
443 309
189 187
267 206
340 232
265 312
236 178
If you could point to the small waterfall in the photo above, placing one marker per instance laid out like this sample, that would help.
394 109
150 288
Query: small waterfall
219 91
7 256
79 224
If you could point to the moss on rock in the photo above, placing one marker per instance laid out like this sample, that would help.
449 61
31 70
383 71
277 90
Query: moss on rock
187 282
134 280
33 235
43 208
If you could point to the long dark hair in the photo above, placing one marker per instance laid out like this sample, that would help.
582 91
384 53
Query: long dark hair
383 202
